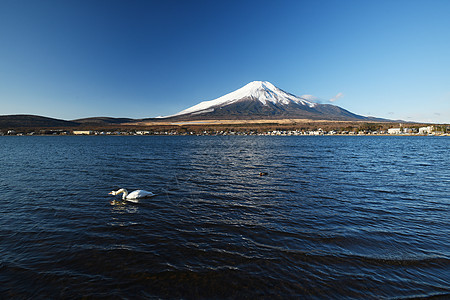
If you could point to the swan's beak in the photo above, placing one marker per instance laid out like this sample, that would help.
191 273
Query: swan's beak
110 193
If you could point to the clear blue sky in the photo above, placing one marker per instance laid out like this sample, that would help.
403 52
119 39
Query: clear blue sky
74 59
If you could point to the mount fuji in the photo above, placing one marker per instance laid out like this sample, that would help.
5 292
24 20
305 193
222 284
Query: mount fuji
263 100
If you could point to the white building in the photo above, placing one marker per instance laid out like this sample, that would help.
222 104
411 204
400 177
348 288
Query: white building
82 132
142 132
394 131
426 130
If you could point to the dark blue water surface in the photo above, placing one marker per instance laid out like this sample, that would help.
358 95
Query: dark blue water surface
335 217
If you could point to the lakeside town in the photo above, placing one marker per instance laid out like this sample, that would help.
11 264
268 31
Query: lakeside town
433 130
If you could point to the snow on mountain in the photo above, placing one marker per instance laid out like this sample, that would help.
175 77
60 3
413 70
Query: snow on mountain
262 100
262 91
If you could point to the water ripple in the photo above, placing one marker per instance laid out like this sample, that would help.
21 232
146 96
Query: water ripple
335 217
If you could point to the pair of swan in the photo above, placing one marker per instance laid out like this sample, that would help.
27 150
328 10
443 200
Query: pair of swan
133 196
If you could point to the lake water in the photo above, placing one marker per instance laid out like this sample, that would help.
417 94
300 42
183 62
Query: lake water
335 217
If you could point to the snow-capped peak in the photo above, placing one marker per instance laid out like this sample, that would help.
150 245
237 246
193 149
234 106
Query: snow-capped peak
262 91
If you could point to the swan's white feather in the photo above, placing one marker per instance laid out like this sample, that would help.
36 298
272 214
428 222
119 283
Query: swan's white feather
137 194
133 196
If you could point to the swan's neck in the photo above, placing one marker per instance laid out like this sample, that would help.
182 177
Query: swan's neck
124 193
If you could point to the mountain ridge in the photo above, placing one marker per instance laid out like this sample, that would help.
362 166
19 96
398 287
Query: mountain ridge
257 100
262 99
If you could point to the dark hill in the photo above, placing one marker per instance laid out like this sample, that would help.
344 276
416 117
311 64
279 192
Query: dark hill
32 121
103 121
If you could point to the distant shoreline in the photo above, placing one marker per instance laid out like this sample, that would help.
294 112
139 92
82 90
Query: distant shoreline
281 133
32 125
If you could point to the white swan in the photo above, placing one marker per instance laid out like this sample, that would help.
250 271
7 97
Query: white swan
133 196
